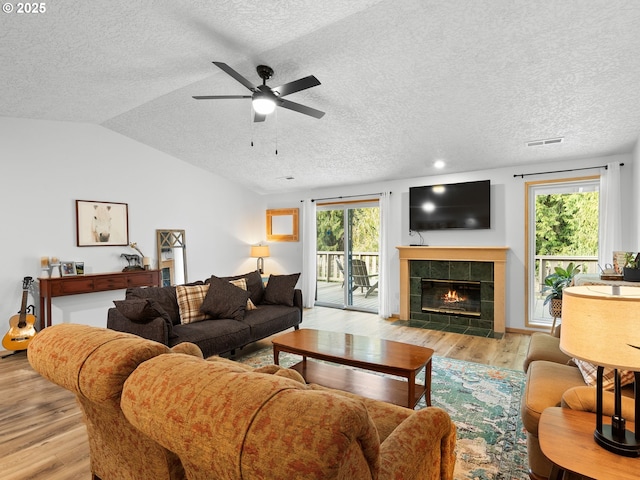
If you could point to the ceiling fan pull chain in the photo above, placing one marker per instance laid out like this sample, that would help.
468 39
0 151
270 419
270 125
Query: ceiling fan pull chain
251 114
277 135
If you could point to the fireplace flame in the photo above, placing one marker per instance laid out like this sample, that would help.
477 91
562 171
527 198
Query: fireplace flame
452 297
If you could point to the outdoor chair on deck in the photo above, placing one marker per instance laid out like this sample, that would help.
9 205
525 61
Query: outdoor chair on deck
361 277
341 270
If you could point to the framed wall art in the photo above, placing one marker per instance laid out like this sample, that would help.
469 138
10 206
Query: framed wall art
282 225
100 224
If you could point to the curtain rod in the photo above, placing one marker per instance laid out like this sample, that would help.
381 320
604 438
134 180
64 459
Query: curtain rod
345 196
522 175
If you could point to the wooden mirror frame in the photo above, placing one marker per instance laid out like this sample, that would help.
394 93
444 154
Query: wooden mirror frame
282 236
171 239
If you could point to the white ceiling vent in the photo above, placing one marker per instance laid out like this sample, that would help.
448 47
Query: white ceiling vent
547 141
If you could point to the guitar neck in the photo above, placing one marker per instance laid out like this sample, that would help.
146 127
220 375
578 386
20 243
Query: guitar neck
23 310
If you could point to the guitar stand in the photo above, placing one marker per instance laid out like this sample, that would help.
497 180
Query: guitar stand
9 353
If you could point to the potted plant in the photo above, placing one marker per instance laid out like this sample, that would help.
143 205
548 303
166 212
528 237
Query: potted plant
631 270
554 284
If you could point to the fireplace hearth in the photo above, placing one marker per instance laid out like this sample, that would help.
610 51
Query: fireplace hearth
455 297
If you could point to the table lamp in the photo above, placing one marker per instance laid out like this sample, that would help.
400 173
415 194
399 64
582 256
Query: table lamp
601 325
259 252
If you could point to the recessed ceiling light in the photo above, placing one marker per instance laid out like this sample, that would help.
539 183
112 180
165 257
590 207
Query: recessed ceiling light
439 164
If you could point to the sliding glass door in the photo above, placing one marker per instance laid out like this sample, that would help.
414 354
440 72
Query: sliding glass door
562 228
348 255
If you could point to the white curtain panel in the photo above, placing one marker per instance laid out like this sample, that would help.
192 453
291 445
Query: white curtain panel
309 247
384 298
610 216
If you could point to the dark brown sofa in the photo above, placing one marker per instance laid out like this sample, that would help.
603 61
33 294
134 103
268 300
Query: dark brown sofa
154 313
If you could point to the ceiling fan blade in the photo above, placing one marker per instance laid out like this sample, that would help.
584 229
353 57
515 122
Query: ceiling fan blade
296 107
297 85
258 117
230 71
217 97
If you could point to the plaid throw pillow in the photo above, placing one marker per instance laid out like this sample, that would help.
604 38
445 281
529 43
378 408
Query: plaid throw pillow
190 300
590 374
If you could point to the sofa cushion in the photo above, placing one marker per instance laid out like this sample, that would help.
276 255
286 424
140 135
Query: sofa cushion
269 369
214 336
270 319
165 296
280 289
224 300
254 285
546 383
242 283
589 372
143 310
190 300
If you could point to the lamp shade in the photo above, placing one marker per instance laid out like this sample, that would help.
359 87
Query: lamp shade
263 104
601 325
259 251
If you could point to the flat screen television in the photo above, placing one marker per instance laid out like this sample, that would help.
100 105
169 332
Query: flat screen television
450 206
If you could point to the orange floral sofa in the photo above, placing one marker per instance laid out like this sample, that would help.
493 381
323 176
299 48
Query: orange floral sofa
226 420
158 413
93 363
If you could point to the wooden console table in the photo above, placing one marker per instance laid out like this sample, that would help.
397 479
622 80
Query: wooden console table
98 282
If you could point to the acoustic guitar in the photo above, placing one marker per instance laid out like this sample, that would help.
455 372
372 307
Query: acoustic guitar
21 331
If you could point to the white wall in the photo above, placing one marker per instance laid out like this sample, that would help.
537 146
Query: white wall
46 166
507 217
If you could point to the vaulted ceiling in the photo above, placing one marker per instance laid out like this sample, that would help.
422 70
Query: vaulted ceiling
403 82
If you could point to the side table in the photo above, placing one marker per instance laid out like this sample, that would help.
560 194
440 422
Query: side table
566 438
90 283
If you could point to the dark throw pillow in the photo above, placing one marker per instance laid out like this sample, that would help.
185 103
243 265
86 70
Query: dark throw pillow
143 310
254 285
280 289
165 296
224 300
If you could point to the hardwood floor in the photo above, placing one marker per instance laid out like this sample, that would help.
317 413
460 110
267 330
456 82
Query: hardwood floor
42 435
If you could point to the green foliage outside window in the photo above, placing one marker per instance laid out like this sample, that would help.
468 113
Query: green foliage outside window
567 224
364 234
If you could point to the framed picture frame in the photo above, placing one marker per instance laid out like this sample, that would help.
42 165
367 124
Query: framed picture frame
79 268
282 225
67 269
101 224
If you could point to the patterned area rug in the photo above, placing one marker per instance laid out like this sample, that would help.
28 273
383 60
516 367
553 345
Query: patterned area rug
484 403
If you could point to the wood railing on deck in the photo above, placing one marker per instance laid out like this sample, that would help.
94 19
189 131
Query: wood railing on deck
545 265
327 267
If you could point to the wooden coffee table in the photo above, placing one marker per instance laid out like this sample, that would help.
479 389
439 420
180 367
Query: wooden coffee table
384 356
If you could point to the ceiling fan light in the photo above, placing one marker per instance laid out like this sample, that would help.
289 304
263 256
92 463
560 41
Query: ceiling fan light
263 106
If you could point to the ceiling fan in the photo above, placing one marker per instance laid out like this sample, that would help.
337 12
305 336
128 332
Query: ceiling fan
264 98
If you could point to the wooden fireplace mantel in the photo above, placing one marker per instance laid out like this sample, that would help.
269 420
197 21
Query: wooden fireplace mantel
496 255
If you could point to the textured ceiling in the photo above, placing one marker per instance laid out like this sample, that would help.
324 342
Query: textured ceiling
403 82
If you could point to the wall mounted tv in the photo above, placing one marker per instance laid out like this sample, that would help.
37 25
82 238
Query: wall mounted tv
450 206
